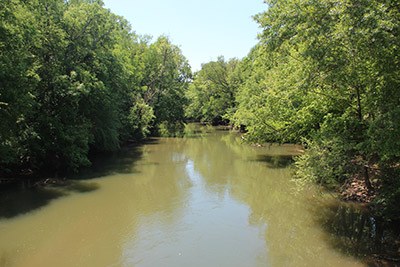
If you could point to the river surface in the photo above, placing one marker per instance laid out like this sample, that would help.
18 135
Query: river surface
202 200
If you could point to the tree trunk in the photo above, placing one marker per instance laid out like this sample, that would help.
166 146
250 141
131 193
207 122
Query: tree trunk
366 178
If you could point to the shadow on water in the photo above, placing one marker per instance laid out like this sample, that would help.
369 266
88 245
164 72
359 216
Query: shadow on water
18 199
354 231
26 196
275 161
122 161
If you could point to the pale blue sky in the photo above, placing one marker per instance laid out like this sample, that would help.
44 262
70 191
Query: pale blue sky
203 29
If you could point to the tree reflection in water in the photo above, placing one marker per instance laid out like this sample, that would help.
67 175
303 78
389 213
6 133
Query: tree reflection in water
354 231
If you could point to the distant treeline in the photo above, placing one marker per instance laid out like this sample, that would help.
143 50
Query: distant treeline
325 74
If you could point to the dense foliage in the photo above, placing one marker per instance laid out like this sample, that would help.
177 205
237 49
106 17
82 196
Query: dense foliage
212 94
325 74
75 78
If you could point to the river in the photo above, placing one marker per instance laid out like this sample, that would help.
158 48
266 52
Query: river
203 200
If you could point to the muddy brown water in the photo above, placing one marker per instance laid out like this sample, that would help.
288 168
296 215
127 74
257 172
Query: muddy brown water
203 200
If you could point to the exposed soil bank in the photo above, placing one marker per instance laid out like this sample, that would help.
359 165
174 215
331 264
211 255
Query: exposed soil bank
355 189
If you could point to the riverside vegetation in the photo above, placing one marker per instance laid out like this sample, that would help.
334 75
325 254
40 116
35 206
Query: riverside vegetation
76 79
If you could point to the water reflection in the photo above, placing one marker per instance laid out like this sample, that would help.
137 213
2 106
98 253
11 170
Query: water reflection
205 201
195 130
106 164
18 199
206 234
14 202
92 229
276 161
26 196
291 236
354 231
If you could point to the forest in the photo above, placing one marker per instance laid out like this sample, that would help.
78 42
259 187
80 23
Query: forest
75 80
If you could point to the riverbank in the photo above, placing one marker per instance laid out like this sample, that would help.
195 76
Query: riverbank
355 189
384 234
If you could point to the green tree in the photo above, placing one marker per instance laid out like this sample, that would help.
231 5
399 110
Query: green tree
75 78
165 80
212 93
323 74
17 78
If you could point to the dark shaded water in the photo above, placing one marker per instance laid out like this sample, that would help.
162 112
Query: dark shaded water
203 200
